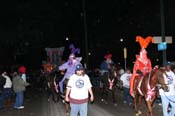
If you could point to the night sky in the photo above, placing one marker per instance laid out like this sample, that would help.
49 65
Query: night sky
28 26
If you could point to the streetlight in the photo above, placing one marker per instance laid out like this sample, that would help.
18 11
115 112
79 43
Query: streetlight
124 52
67 38
121 40
125 55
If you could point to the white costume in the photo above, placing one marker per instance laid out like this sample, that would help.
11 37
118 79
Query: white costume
168 98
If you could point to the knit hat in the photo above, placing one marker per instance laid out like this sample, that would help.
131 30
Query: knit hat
22 69
108 56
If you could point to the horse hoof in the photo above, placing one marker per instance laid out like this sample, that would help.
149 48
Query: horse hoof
63 101
67 113
139 112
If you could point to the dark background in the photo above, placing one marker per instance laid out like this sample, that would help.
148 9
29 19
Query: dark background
29 26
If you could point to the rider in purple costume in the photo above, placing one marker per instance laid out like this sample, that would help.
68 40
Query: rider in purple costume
69 66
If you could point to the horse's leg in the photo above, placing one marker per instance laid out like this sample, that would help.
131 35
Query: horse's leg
149 105
102 93
67 105
54 96
114 96
140 105
106 95
135 99
135 103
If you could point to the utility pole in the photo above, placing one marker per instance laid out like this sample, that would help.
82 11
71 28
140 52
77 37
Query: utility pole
163 29
85 35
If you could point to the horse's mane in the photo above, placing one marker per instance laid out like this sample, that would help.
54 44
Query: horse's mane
158 72
111 73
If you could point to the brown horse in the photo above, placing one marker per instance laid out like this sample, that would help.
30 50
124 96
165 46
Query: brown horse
147 87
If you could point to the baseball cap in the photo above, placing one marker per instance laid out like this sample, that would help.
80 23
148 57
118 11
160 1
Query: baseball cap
167 64
79 67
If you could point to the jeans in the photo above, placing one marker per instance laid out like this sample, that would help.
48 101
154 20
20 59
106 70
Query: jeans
19 99
1 101
165 102
126 96
81 108
7 93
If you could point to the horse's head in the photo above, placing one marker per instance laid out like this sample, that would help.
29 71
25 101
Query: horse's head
161 75
111 79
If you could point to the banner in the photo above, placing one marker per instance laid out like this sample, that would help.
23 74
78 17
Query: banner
55 55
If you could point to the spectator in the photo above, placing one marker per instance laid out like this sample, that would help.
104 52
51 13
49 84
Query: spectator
168 98
19 86
125 78
78 87
22 70
7 90
2 83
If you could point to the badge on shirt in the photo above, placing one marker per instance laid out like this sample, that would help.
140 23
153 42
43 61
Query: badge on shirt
79 83
169 79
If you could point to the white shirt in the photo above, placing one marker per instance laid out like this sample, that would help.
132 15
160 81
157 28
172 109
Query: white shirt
8 83
170 79
23 77
125 78
79 86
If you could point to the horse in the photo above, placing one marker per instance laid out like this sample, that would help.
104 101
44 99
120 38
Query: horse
147 87
53 78
109 81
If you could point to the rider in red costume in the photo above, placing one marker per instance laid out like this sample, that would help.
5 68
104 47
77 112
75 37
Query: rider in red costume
142 62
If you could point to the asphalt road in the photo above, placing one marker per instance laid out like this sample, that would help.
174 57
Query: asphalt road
36 104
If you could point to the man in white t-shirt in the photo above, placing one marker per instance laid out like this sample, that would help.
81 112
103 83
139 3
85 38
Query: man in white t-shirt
78 89
168 98
125 78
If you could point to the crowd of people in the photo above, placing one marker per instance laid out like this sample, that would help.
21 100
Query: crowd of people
75 83
79 83
12 88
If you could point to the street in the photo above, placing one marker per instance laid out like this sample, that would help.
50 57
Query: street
36 104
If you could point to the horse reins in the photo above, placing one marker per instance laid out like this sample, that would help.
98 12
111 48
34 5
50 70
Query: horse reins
111 83
150 91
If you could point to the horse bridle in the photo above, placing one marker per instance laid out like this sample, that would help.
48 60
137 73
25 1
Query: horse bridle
150 91
160 85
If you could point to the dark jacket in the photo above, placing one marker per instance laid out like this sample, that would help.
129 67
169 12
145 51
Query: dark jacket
2 83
